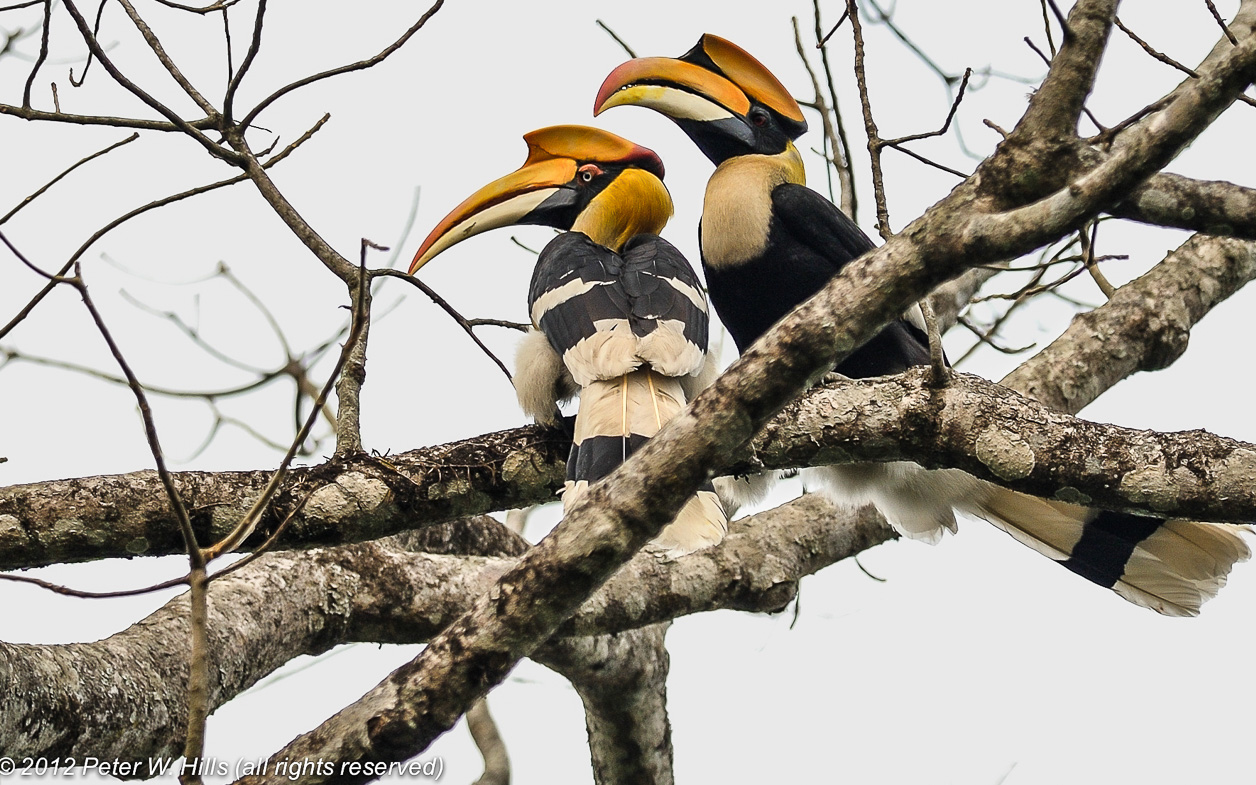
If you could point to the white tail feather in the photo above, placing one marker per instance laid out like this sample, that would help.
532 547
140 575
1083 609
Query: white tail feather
639 404
1173 569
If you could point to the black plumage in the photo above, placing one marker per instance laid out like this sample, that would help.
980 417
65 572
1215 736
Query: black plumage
637 289
769 243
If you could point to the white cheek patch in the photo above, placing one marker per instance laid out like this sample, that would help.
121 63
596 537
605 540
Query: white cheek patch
677 104
501 214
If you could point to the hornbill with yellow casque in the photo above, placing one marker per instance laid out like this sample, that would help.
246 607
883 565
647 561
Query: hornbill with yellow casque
768 243
618 315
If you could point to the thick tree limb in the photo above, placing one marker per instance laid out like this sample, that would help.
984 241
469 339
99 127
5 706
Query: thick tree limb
1208 206
1056 106
123 697
993 433
421 700
359 498
1145 326
622 681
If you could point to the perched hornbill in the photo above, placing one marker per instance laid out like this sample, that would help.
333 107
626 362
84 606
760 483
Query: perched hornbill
618 314
769 242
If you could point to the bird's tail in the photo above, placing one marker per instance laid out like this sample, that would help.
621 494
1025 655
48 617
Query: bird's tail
1171 566
616 417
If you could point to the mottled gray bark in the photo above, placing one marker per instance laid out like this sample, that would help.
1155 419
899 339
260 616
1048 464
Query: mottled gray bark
99 517
994 433
1144 327
123 697
351 500
622 680
1035 189
1211 207
402 715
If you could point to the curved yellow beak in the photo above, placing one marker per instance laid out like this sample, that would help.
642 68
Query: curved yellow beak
503 202
677 89
554 154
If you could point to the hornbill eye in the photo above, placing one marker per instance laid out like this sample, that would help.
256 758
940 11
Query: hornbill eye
587 172
759 116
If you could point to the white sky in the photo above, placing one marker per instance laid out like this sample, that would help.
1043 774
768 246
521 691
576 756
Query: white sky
974 659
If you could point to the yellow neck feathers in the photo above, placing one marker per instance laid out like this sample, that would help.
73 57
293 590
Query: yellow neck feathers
635 202
791 163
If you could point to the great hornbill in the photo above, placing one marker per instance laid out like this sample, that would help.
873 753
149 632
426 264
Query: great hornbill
768 243
618 314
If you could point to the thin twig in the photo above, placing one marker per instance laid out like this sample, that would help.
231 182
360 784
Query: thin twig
520 326
1220 21
870 125
623 45
255 45
1092 264
344 69
53 280
222 5
845 176
946 124
250 520
1169 61
198 673
150 426
986 337
62 176
447 308
825 38
838 161
89 38
43 55
200 189
100 14
1046 26
937 358
164 58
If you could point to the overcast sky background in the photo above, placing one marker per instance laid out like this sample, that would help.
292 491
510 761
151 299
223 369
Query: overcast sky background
974 661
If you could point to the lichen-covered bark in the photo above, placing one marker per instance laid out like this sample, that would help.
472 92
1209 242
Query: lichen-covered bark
423 698
1144 327
1211 207
996 434
351 500
622 680
124 697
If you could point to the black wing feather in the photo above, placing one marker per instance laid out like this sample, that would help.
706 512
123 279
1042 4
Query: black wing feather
817 227
634 287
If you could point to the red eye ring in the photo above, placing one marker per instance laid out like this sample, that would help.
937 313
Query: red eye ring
587 172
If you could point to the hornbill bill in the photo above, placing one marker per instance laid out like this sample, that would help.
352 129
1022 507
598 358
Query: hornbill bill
768 243
618 314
